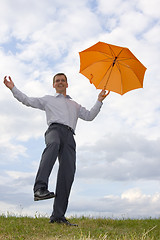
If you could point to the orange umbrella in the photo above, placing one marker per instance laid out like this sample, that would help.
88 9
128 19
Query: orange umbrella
111 67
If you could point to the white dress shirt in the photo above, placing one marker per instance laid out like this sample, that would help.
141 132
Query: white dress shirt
58 108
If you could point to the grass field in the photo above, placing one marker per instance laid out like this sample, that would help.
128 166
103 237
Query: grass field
39 228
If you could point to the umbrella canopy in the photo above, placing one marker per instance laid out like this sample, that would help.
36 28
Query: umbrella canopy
111 67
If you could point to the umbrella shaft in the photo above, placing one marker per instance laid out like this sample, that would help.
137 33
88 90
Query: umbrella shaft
114 61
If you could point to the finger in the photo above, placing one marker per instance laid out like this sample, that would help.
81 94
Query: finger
10 78
5 79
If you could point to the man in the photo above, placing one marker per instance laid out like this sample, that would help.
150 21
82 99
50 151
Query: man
62 114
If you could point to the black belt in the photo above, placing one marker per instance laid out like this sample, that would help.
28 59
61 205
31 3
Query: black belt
63 125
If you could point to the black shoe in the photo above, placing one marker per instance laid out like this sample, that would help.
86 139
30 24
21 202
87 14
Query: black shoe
42 194
63 221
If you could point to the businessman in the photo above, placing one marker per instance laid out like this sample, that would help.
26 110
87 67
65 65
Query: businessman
62 113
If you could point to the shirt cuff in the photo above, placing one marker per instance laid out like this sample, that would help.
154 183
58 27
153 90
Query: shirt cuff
99 103
13 89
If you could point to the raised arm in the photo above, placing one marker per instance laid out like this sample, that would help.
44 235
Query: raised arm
10 83
23 98
89 115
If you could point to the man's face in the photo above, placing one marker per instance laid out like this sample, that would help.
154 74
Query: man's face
60 84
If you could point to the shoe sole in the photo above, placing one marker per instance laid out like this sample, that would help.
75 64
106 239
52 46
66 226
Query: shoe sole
36 198
64 223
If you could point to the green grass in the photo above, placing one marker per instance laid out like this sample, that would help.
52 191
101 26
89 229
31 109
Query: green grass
19 228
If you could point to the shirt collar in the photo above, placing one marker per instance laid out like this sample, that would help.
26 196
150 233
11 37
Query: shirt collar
61 95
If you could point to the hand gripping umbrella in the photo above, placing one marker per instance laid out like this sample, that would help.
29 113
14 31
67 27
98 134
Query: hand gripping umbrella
112 68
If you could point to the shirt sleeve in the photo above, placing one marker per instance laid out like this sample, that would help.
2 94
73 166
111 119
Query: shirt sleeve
28 101
89 115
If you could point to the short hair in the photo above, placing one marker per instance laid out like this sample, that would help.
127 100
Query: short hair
58 74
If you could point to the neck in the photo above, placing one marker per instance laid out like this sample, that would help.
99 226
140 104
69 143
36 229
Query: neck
64 93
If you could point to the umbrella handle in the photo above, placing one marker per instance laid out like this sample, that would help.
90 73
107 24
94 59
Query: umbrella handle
104 89
102 95
107 93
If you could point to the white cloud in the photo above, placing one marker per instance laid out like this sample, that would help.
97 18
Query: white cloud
22 18
116 7
130 204
150 8
133 195
135 22
120 157
11 151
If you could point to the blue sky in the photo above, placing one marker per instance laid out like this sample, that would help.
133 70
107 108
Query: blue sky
118 156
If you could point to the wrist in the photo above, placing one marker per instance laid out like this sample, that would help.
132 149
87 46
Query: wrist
100 100
11 88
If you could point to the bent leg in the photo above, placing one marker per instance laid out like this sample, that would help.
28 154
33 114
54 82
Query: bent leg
48 159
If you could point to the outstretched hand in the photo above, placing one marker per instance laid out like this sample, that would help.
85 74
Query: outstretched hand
10 83
103 95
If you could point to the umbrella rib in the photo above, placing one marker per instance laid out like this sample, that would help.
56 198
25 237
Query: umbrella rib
117 64
111 66
125 65
105 54
108 76
112 52
124 59
120 52
104 60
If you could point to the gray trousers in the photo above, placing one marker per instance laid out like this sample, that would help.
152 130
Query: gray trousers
59 143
